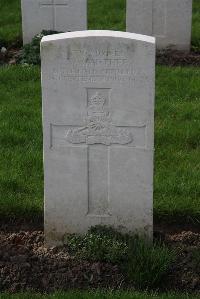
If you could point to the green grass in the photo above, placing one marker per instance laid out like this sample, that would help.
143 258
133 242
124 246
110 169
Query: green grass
147 268
10 20
196 25
21 178
102 14
177 143
98 295
148 265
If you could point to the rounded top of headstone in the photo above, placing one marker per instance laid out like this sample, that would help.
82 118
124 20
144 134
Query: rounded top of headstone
98 33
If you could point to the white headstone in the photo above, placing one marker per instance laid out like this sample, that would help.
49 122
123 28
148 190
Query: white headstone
98 119
169 21
56 15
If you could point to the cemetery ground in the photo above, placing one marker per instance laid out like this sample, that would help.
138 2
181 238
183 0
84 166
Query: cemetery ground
97 295
96 261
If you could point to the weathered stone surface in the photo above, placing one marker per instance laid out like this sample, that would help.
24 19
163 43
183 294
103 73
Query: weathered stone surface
98 118
168 20
56 15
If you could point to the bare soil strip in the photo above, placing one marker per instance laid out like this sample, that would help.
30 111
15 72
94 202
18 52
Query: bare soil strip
27 265
168 58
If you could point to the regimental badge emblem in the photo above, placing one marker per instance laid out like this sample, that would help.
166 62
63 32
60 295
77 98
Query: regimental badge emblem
99 128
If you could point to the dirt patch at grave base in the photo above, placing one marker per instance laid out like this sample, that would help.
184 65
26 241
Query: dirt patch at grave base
185 274
26 265
177 58
17 224
10 56
165 57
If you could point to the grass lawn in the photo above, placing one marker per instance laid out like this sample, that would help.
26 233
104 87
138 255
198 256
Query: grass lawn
10 20
98 295
196 25
177 143
21 175
102 14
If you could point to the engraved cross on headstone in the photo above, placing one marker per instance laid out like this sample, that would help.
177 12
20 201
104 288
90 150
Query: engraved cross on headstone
54 4
98 135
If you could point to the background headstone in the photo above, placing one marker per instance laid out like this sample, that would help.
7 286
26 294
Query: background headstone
169 21
56 15
98 119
